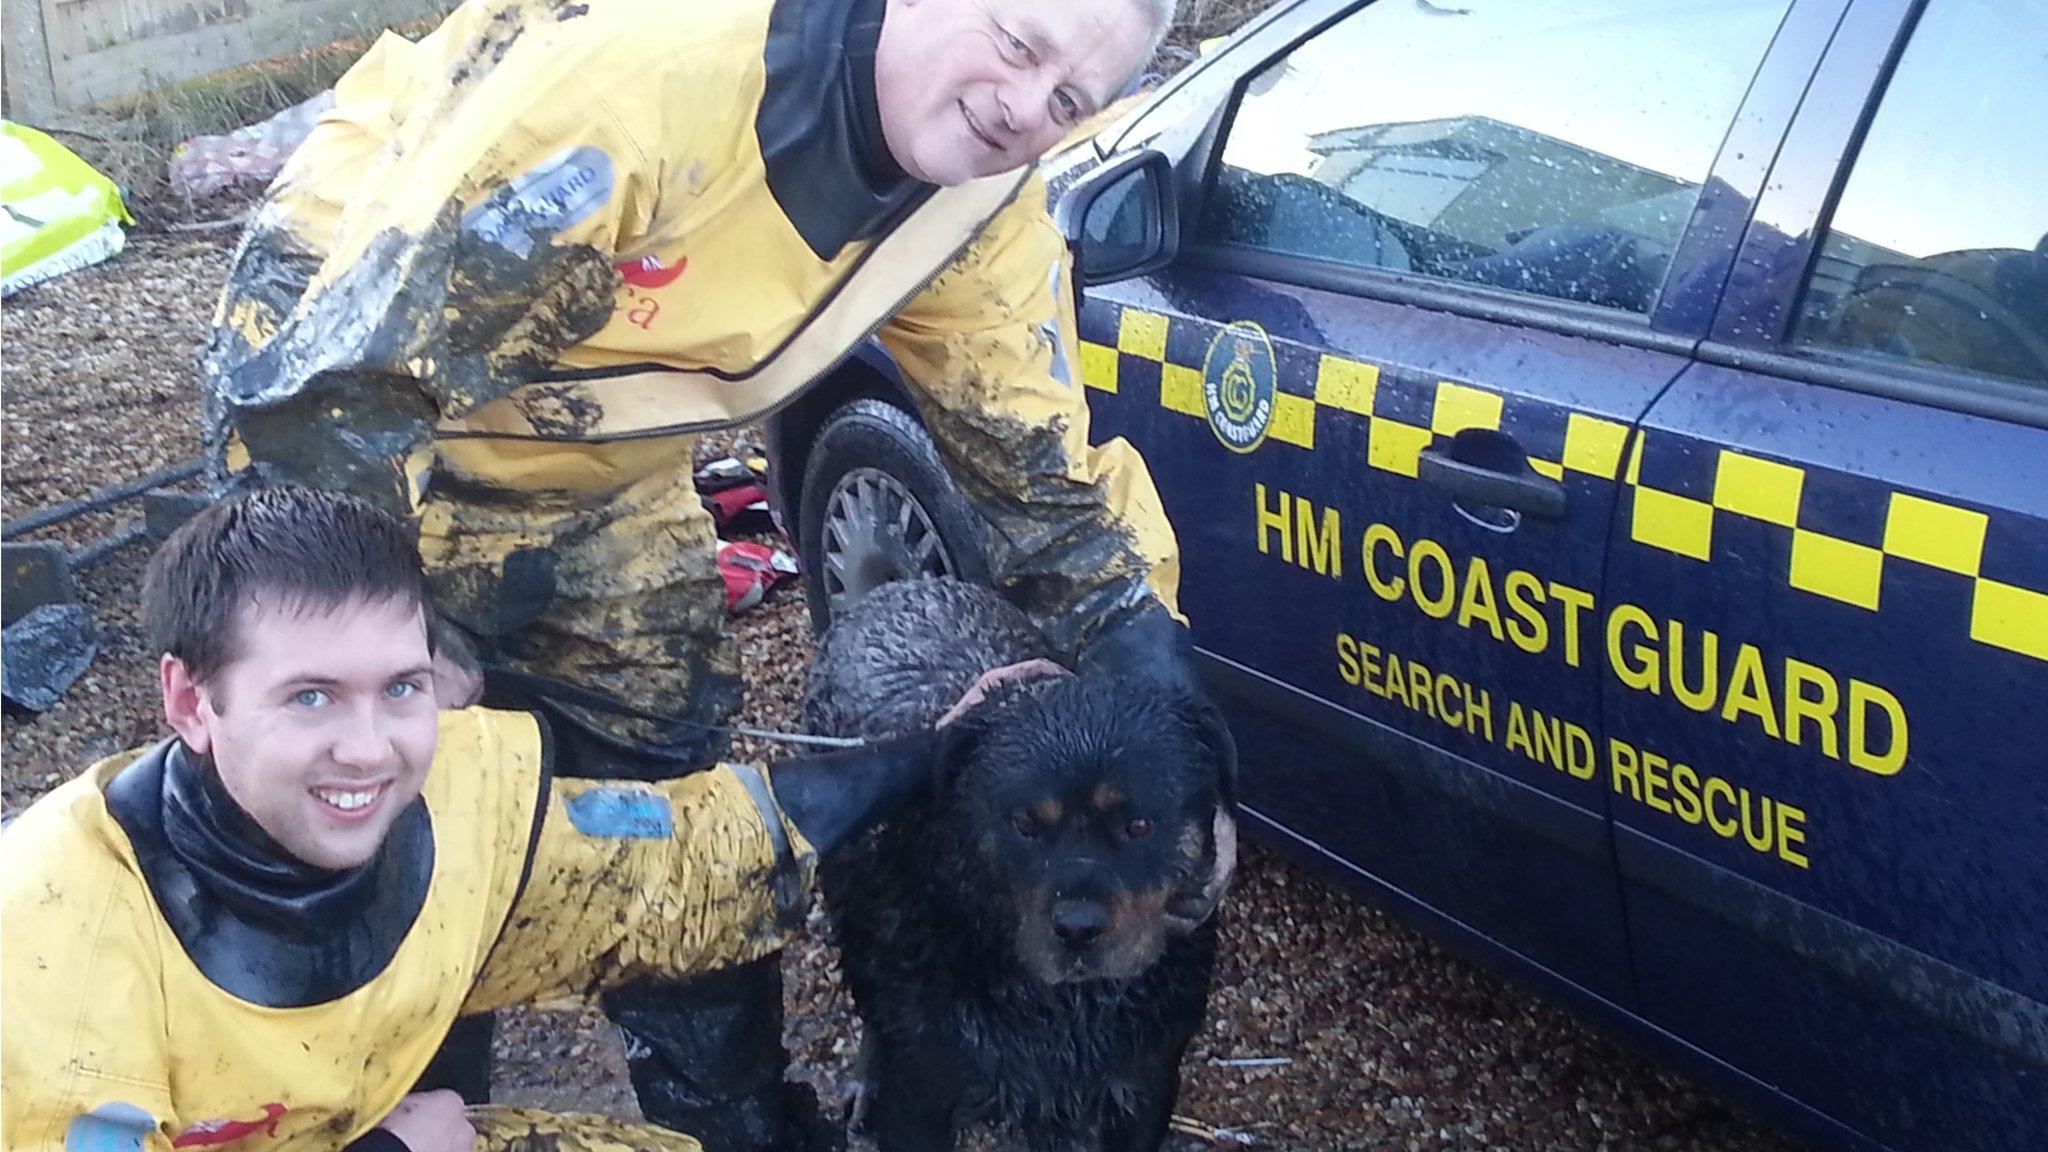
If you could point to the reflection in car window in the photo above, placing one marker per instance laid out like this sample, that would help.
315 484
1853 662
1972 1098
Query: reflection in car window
1938 251
1546 146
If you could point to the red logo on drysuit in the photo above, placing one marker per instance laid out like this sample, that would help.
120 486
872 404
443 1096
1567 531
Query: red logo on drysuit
647 272
213 1133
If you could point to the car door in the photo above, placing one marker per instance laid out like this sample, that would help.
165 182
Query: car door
1386 391
1826 625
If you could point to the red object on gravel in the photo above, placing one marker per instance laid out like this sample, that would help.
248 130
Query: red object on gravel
750 570
739 510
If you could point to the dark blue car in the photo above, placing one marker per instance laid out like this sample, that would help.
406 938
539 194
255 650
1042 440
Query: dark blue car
1608 441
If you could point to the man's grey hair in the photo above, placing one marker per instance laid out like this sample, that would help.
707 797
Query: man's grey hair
1158 23
1159 16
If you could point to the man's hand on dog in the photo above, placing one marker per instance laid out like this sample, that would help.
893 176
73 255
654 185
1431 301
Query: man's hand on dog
994 678
431 1122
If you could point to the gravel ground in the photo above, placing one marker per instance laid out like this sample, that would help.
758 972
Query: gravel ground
1383 1040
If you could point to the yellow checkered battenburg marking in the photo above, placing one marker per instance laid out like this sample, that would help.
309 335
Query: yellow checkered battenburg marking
1759 489
1098 366
1392 446
1180 390
1347 385
1294 420
1917 530
1936 535
1142 334
1459 407
1593 446
2015 619
1674 523
1837 569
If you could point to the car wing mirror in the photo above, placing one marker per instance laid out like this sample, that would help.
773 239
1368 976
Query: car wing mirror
1121 220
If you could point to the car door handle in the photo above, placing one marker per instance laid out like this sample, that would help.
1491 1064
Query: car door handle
1524 491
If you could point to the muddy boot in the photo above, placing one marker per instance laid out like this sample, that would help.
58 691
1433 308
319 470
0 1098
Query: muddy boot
706 1056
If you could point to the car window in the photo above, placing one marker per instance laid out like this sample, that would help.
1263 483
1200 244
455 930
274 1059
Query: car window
1938 249
1547 146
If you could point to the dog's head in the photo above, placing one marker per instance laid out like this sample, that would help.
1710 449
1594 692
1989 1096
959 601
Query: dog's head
1096 815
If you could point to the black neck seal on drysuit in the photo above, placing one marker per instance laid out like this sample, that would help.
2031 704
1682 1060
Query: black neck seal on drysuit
820 128
259 923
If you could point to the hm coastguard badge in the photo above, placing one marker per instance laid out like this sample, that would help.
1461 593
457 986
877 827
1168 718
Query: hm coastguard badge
1237 386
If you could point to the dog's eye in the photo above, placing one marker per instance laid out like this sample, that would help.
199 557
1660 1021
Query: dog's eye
1025 826
1138 829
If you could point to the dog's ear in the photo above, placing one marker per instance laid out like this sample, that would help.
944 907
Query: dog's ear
958 743
1205 720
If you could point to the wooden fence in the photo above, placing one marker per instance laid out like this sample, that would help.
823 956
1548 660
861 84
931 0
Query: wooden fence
70 54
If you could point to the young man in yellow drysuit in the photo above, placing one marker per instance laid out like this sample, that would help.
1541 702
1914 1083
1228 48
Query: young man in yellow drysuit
522 261
257 933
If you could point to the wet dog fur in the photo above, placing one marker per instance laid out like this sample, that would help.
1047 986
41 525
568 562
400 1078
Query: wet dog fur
1011 942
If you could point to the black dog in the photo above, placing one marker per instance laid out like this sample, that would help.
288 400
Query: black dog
1032 945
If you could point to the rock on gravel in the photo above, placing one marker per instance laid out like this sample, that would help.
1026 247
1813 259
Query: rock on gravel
1360 1033
46 651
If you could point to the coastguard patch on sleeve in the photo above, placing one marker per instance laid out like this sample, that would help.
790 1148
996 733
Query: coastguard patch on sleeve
621 814
546 200
1238 385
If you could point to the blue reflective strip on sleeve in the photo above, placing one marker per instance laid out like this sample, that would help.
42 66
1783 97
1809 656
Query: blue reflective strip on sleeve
621 814
1054 334
787 885
764 803
114 1127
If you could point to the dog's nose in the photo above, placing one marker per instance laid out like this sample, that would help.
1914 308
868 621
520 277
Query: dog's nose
1078 922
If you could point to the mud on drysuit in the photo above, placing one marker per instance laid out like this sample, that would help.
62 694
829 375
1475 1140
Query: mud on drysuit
522 261
174 979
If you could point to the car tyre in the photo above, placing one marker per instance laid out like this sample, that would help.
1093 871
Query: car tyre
878 506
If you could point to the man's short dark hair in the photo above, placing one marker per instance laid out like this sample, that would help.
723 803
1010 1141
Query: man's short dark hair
296 548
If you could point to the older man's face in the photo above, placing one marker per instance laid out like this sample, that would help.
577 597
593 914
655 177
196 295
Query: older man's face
969 88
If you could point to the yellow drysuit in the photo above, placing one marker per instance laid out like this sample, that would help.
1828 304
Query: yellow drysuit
118 1039
521 261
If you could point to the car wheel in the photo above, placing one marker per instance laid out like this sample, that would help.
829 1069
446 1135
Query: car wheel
878 506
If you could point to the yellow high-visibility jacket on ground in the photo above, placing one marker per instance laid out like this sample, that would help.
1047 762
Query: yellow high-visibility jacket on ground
545 244
137 1020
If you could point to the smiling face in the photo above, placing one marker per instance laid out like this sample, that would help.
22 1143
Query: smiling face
323 724
970 88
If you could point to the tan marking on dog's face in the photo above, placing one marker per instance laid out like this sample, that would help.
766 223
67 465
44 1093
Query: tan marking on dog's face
1136 936
1108 798
1132 942
1049 812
